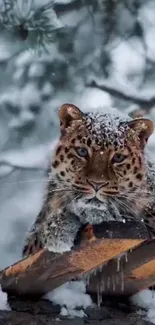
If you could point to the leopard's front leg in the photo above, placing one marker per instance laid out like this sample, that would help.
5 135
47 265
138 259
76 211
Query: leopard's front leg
55 232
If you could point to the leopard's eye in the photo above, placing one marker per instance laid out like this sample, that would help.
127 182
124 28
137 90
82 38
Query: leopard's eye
82 152
118 158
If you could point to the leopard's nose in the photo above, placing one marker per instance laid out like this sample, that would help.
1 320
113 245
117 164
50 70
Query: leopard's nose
97 185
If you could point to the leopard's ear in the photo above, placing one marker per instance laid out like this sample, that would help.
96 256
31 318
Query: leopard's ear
67 114
143 128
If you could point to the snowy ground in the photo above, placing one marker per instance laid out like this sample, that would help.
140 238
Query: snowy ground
43 312
145 301
72 298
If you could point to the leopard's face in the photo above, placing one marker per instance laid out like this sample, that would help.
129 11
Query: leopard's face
98 170
99 158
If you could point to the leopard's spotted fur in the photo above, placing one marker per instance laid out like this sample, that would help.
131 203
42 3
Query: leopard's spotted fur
99 172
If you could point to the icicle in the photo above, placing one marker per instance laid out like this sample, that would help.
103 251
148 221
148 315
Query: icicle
130 250
122 281
102 285
124 221
99 294
118 263
117 279
153 293
100 268
100 297
126 257
113 283
108 282
87 279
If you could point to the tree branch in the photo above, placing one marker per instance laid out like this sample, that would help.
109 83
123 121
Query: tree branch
125 94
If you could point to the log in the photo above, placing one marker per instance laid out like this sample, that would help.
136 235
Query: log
95 246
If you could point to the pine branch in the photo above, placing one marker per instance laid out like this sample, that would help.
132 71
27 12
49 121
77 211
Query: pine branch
68 6
33 26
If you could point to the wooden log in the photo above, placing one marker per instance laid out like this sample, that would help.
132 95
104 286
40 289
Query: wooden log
44 271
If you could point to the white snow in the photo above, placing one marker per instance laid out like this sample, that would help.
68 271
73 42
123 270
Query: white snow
35 157
146 300
72 312
24 58
131 62
5 169
36 70
22 97
147 19
64 1
47 89
59 248
93 98
4 52
149 37
3 300
70 296
30 95
147 14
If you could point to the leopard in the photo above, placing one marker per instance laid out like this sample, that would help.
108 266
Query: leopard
98 171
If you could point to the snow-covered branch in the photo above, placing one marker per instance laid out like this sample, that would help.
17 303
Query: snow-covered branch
125 93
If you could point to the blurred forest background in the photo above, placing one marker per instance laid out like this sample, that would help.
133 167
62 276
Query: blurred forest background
93 53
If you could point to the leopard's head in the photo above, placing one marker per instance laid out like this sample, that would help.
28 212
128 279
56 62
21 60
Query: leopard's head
101 156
